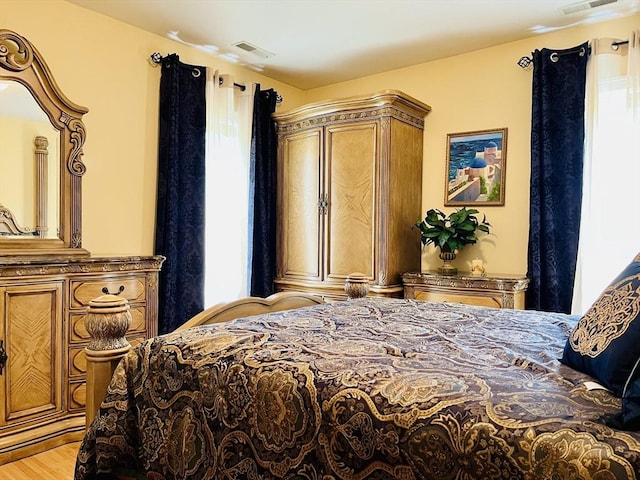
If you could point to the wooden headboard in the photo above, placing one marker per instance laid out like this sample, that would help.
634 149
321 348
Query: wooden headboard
245 307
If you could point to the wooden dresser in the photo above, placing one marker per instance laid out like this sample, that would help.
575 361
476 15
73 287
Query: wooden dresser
47 278
500 291
43 304
349 192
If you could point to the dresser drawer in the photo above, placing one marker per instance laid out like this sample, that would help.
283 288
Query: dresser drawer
469 299
78 332
133 288
77 361
77 396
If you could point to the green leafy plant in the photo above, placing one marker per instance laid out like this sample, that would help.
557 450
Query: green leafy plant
451 233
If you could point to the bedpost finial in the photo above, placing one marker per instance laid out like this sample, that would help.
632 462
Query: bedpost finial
356 285
107 321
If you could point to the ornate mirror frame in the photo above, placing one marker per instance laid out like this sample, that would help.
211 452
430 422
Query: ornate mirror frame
20 61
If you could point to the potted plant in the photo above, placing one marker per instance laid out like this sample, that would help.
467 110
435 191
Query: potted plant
451 233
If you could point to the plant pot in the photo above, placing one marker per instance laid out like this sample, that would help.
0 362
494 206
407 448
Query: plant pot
447 268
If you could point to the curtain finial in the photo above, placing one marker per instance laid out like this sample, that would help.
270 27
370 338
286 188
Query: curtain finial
526 62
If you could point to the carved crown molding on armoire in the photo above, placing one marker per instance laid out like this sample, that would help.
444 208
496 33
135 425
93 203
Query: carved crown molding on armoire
349 192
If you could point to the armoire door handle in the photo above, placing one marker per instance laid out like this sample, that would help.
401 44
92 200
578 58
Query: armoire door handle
323 204
3 356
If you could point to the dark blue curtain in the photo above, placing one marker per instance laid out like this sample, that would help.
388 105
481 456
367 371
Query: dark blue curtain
181 192
557 137
262 195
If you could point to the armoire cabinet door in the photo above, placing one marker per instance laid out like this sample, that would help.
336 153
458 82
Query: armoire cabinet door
31 330
301 204
351 163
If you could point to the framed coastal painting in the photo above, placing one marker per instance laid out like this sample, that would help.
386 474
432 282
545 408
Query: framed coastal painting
476 167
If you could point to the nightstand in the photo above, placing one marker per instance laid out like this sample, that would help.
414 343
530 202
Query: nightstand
489 290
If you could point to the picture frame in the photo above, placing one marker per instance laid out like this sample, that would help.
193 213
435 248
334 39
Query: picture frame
476 168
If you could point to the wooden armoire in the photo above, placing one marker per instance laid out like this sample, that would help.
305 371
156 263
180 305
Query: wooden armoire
349 192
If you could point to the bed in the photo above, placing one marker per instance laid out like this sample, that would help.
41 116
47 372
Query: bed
365 388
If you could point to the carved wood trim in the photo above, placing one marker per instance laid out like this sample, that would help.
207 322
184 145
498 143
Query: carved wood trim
506 283
15 53
9 225
41 153
389 103
30 266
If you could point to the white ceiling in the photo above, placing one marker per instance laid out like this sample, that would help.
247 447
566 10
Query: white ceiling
320 42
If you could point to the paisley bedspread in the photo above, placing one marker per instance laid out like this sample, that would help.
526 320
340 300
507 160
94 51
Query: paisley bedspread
361 389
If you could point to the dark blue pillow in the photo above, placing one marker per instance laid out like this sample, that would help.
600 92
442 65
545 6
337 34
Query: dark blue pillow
605 343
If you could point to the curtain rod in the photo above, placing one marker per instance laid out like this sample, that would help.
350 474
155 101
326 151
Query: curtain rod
237 85
527 62
555 56
621 42
156 58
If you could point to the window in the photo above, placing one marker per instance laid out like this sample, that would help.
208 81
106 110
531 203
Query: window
610 230
229 116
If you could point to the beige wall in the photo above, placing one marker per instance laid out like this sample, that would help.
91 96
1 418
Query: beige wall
102 64
477 91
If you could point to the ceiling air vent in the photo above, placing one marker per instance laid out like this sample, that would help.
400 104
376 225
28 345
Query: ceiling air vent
259 52
580 6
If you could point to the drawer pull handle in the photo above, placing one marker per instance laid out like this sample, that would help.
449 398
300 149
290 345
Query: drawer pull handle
105 290
3 356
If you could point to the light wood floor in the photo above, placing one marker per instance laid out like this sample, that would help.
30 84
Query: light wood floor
55 464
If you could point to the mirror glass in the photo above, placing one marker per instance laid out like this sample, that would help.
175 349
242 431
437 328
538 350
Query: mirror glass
30 164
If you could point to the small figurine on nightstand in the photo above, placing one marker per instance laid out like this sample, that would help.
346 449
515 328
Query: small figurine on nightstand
477 267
